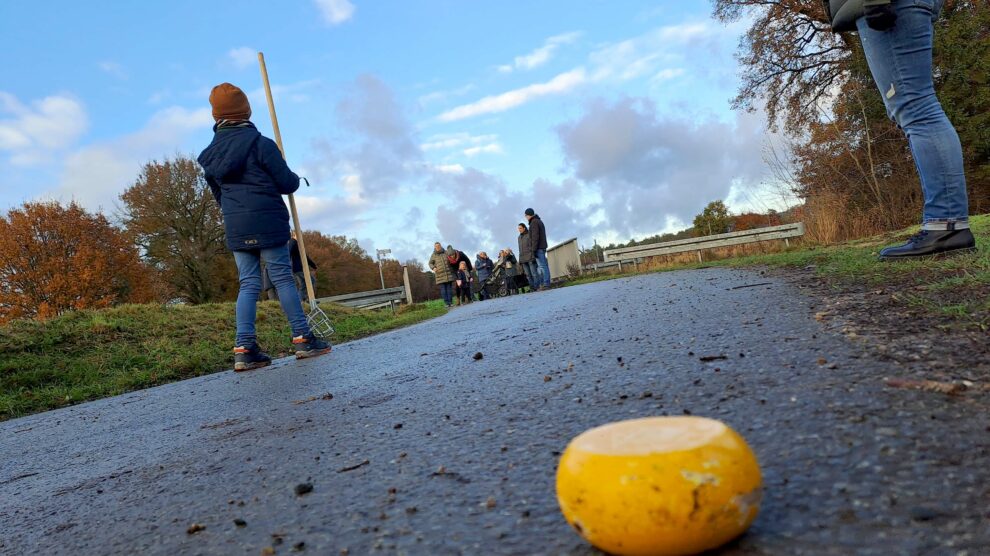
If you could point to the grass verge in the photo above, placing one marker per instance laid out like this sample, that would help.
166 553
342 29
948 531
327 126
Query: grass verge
87 355
956 287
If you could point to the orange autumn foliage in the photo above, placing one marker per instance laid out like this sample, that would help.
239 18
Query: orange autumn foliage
56 258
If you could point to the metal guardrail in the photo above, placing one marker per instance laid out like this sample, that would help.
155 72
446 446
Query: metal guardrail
634 255
368 300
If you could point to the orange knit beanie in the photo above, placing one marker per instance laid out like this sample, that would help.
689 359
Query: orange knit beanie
229 103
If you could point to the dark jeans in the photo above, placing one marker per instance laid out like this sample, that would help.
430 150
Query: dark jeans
447 293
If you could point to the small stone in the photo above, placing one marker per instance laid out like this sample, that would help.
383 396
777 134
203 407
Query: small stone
922 513
195 528
268 551
490 503
397 426
240 522
299 546
547 378
479 356
303 488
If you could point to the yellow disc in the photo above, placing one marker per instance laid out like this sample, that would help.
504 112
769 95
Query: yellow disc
659 486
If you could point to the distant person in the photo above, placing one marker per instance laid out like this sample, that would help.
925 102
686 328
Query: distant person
443 273
507 259
538 237
526 259
897 37
248 176
484 265
454 259
463 284
297 273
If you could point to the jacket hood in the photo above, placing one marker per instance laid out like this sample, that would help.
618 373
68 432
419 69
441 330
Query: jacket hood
228 153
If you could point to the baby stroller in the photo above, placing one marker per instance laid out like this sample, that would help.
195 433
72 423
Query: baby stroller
496 284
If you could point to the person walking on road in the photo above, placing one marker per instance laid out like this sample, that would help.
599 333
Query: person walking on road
538 237
443 273
484 265
897 38
248 176
526 259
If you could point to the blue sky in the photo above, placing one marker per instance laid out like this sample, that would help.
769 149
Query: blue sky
414 121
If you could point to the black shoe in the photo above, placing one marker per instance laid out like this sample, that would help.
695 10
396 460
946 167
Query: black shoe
931 242
310 346
251 357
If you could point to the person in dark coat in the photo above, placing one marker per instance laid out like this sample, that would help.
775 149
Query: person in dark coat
463 283
484 265
507 260
454 259
248 176
526 259
538 237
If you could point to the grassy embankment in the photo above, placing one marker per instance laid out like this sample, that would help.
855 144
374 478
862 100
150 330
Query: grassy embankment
86 355
957 287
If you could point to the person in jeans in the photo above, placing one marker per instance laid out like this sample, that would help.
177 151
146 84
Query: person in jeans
538 237
443 274
526 259
897 38
248 176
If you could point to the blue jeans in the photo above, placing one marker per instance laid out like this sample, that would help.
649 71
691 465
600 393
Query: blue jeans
532 274
280 272
901 62
541 259
447 293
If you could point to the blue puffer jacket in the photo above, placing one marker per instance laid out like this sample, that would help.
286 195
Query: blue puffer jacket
248 177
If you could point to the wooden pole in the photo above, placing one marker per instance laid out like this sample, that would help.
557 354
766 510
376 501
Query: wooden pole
292 199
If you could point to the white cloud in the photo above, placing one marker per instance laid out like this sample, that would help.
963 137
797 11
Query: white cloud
335 12
511 99
541 55
446 141
643 55
440 96
491 148
32 134
113 68
97 174
667 74
243 56
449 168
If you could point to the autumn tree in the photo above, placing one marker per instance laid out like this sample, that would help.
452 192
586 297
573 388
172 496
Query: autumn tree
56 258
714 219
344 267
173 217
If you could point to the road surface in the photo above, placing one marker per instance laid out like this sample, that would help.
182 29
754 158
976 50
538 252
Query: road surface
425 450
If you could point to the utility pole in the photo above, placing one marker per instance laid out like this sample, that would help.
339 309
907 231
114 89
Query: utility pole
381 274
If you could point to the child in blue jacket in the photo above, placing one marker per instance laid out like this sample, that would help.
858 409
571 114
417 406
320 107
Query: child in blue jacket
248 176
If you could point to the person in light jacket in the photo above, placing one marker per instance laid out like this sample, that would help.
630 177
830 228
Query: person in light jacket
443 273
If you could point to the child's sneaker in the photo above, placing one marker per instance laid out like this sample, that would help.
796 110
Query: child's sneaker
247 358
310 346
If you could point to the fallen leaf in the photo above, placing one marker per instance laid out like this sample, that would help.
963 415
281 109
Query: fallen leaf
195 528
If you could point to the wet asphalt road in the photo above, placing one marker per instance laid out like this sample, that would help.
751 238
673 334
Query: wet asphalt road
850 466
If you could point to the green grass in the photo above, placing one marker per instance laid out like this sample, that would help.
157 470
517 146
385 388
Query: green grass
87 355
956 287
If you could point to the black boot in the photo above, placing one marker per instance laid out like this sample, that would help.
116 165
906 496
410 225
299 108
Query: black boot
931 242
250 357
